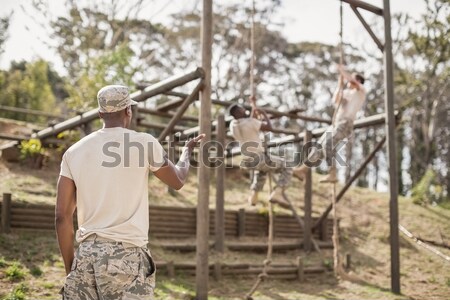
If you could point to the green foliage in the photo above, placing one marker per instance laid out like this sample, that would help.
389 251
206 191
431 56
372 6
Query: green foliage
4 24
48 285
328 263
110 67
67 139
18 293
26 85
15 272
36 271
423 89
3 262
30 148
427 191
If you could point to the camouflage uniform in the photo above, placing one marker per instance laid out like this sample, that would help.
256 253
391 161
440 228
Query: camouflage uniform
266 164
334 135
110 270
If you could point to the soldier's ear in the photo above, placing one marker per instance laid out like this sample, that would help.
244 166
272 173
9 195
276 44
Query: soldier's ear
128 110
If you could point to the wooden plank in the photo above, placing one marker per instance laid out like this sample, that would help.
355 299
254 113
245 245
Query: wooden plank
6 213
366 6
150 111
181 110
153 90
31 225
30 112
34 218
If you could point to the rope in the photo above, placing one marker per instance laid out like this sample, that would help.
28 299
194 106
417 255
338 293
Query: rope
252 50
341 60
264 275
335 238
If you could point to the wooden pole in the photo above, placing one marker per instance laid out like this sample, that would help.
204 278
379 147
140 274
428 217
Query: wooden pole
171 155
30 112
241 222
153 90
374 120
202 266
271 111
367 27
160 126
308 196
349 183
181 110
366 6
6 213
150 111
220 186
11 137
391 149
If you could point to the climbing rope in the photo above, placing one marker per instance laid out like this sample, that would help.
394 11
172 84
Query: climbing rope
252 50
341 60
263 275
335 238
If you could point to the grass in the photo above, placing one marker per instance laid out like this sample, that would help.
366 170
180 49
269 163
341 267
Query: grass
15 272
18 293
36 271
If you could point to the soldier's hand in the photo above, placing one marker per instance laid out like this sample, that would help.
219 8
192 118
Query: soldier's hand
192 143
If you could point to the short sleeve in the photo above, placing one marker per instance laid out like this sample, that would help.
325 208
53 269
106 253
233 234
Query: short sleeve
256 124
156 155
65 168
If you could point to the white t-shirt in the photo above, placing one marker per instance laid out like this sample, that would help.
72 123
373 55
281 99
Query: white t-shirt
247 130
352 101
110 169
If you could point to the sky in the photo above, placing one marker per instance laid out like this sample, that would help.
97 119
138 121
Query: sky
304 20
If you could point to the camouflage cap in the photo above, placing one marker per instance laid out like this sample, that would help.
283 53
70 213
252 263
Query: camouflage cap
112 98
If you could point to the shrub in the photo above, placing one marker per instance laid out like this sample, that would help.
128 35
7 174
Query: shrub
31 148
15 272
36 271
17 294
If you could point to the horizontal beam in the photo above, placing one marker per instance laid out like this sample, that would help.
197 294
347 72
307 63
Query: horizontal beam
153 125
11 137
374 120
153 90
151 111
30 112
272 111
364 5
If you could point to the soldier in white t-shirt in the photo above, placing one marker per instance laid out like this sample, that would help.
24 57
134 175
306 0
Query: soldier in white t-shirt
246 129
105 177
353 98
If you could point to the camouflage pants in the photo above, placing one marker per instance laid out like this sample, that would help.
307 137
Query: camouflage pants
109 270
342 130
270 164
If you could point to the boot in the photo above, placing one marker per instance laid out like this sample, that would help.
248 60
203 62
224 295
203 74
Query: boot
300 172
277 197
253 198
331 178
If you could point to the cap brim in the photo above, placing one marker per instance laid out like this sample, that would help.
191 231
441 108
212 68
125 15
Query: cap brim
132 102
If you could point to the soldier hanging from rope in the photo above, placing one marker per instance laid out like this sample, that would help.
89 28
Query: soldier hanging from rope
348 102
246 129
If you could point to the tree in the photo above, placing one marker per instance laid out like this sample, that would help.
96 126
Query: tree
26 85
423 85
4 25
